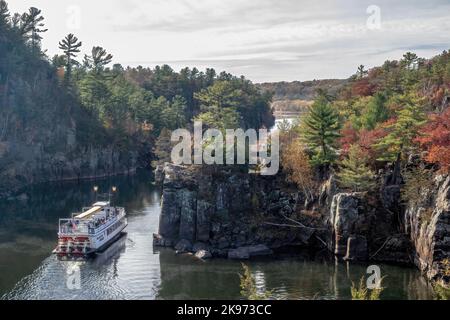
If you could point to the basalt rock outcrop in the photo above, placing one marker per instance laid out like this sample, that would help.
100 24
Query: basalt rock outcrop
230 213
367 227
428 224
362 229
23 165
45 133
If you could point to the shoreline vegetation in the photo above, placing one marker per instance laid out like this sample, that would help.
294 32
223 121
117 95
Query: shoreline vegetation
364 170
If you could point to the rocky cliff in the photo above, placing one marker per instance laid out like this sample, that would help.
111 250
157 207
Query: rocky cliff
24 163
365 226
45 135
428 225
231 213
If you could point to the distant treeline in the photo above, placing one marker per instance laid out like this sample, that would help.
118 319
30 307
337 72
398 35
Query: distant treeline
302 90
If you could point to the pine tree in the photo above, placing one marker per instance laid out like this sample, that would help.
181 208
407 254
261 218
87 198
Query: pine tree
403 130
361 72
163 147
354 171
409 60
70 46
375 112
98 59
4 15
173 116
32 24
320 131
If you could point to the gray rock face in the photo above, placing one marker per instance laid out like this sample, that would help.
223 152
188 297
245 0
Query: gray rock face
203 254
356 248
224 209
429 229
26 164
159 241
344 216
183 246
159 174
204 213
199 246
364 228
188 215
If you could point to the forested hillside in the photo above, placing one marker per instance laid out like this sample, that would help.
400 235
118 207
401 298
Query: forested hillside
70 117
389 114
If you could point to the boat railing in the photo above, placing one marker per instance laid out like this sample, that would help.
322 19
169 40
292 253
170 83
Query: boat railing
73 226
77 226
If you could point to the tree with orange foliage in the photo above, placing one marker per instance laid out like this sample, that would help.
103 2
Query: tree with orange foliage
363 88
296 164
365 139
435 139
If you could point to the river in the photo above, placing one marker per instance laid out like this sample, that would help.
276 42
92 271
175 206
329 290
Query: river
132 269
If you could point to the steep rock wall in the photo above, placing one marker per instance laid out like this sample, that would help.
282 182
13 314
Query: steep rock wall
428 225
227 209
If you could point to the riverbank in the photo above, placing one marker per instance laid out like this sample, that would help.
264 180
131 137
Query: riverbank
134 269
228 213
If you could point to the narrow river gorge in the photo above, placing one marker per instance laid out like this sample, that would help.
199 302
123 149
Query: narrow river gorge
132 269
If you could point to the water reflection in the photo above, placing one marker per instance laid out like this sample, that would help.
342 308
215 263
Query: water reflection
28 228
184 277
132 269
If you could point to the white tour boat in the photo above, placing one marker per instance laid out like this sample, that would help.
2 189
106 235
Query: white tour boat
90 231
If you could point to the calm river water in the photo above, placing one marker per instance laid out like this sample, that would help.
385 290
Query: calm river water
133 269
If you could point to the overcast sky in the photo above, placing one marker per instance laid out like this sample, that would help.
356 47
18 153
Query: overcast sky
265 40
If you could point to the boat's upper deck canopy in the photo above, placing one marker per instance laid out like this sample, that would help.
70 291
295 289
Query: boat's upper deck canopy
101 204
95 208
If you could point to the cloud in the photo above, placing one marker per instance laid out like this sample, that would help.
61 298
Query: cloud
266 40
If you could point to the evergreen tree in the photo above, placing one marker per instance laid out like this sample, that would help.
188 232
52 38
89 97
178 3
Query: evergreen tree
219 103
163 147
361 72
320 130
4 15
403 130
375 112
70 46
173 116
220 95
32 26
409 60
98 59
222 119
354 171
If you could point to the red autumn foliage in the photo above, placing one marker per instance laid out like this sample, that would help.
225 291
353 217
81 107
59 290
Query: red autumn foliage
366 139
363 88
435 139
348 137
